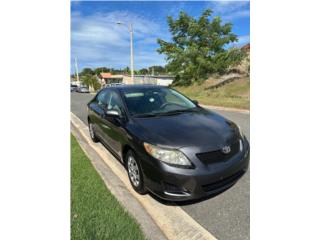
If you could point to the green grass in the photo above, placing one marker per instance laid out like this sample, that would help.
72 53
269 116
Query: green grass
95 213
235 94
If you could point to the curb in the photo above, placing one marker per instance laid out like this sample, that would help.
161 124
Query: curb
114 184
174 223
245 111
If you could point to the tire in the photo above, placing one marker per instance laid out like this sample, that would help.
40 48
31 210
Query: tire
92 133
135 173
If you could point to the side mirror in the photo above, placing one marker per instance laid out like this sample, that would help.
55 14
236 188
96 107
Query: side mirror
112 113
195 102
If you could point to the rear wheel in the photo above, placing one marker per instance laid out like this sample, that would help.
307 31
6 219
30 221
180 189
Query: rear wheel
135 172
92 132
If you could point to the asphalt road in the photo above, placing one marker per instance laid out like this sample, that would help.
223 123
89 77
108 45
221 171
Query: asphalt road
227 215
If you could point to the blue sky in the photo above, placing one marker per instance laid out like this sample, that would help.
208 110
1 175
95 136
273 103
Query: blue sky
97 41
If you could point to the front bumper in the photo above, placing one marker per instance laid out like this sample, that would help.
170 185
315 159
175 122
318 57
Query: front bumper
179 184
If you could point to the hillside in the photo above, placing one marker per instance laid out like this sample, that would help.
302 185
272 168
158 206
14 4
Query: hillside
235 94
232 90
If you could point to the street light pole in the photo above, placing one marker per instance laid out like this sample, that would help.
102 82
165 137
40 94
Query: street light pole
131 52
76 68
129 25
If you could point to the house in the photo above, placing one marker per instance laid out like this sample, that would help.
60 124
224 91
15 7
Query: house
246 47
162 80
107 78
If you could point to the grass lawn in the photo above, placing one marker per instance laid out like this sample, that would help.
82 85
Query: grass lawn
95 213
235 94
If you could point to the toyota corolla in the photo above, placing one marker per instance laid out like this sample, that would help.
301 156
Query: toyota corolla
168 144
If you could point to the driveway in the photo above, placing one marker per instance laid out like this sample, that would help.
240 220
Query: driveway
227 215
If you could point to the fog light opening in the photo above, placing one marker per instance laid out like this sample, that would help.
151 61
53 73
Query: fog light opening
173 190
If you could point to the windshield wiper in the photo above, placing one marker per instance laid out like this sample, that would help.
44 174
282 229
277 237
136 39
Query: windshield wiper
173 112
178 111
142 115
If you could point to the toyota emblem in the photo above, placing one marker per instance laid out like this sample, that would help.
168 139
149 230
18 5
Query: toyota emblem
226 149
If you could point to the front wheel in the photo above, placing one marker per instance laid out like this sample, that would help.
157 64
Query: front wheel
92 132
135 172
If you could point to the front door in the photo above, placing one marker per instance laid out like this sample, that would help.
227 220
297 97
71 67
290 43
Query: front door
112 126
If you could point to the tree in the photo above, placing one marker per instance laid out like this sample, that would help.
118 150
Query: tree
127 70
143 71
91 81
99 70
157 70
198 47
87 71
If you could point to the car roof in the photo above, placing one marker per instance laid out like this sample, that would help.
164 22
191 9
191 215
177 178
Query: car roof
135 86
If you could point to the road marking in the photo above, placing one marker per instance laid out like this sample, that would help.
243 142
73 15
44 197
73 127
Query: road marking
175 223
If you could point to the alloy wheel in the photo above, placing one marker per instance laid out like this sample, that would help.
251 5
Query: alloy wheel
91 131
133 171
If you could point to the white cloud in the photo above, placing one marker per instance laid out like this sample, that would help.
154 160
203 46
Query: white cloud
230 10
237 14
97 38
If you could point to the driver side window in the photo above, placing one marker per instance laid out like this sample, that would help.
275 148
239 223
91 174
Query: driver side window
103 98
115 103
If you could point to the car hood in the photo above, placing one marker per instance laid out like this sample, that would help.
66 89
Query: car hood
203 129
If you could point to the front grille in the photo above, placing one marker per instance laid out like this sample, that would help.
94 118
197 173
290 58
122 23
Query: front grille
218 155
222 183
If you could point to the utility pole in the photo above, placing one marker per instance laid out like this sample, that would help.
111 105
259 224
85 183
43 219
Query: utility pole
131 52
76 69
130 28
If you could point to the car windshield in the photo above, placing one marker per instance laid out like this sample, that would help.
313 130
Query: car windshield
147 102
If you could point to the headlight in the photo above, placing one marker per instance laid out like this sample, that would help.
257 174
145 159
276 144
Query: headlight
240 131
168 156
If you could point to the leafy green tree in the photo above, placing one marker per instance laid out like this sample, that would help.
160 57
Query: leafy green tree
87 71
99 70
198 47
157 70
127 70
143 71
91 81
